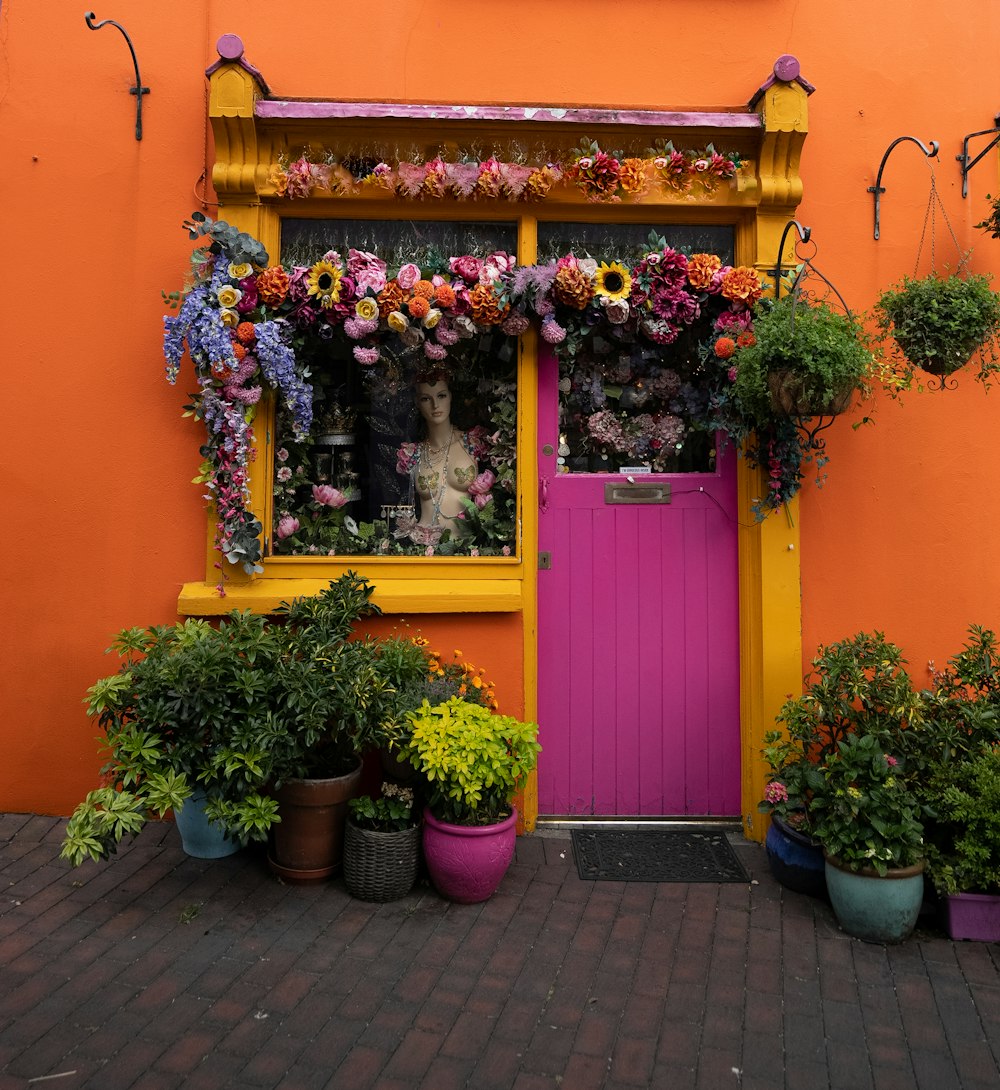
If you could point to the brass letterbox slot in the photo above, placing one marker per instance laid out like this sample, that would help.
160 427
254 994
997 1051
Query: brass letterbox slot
623 492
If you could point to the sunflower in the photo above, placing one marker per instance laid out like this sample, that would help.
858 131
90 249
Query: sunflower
613 281
323 282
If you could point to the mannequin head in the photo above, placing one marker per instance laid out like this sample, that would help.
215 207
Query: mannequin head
433 398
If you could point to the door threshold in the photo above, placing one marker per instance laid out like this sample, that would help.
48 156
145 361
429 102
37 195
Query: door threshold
554 824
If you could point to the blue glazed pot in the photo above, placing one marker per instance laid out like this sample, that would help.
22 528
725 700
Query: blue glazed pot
874 908
795 859
201 838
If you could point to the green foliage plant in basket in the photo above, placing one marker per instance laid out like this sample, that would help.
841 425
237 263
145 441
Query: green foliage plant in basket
381 845
938 323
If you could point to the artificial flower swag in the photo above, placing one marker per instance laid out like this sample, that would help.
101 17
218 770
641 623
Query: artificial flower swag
600 175
646 365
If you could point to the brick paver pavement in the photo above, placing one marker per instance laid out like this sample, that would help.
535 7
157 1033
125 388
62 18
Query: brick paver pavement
156 971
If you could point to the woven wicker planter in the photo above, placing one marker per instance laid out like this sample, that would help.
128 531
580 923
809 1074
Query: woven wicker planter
788 399
380 866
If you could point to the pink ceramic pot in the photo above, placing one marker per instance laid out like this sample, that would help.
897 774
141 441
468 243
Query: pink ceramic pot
467 862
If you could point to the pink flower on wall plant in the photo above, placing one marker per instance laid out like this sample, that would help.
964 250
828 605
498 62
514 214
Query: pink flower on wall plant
286 527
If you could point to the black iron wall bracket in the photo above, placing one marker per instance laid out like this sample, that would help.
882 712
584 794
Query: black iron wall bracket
878 189
138 90
966 163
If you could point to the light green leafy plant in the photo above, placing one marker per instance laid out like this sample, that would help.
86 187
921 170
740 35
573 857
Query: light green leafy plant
473 759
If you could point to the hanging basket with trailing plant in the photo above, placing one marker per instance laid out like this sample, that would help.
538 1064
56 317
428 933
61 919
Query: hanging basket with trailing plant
939 323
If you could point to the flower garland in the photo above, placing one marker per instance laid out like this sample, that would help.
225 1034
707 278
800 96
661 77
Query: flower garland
672 320
599 174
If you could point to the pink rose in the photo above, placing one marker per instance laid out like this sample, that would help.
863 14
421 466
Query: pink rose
367 271
408 275
467 267
286 527
483 483
328 495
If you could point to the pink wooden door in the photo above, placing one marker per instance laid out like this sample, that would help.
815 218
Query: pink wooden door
638 643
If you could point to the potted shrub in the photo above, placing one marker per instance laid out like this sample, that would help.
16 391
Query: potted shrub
333 703
938 323
181 719
381 845
869 823
965 854
472 760
856 686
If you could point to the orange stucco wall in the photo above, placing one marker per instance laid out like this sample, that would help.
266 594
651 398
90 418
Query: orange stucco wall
102 525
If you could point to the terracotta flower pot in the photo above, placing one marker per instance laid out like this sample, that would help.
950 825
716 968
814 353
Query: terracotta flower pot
307 845
467 862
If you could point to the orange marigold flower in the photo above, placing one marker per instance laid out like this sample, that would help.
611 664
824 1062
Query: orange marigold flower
701 268
246 333
272 286
418 306
745 340
477 682
239 351
742 285
632 176
390 298
222 370
725 347
444 295
424 288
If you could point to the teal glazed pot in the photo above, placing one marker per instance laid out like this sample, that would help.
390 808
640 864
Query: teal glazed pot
201 838
874 908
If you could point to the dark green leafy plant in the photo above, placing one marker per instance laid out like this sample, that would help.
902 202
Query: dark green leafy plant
862 811
965 851
391 812
235 710
819 353
992 221
938 323
857 686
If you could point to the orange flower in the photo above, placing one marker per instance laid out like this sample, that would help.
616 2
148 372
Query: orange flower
272 286
424 288
701 268
486 309
742 285
222 370
573 287
444 295
632 176
537 187
390 298
418 306
725 347
246 333
745 340
239 351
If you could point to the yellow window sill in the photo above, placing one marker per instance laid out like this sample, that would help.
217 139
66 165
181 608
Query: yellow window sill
393 595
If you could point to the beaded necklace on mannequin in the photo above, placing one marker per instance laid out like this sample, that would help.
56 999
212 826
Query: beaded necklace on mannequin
439 481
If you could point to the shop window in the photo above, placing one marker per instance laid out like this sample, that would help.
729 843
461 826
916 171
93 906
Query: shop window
414 454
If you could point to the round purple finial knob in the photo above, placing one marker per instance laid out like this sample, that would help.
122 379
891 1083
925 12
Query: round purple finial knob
230 47
786 68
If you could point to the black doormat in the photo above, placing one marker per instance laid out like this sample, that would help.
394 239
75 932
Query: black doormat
698 854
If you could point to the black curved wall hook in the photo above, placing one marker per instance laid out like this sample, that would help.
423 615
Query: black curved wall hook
138 90
878 189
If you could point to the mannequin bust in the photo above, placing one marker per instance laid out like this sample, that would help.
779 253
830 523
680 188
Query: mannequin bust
444 466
